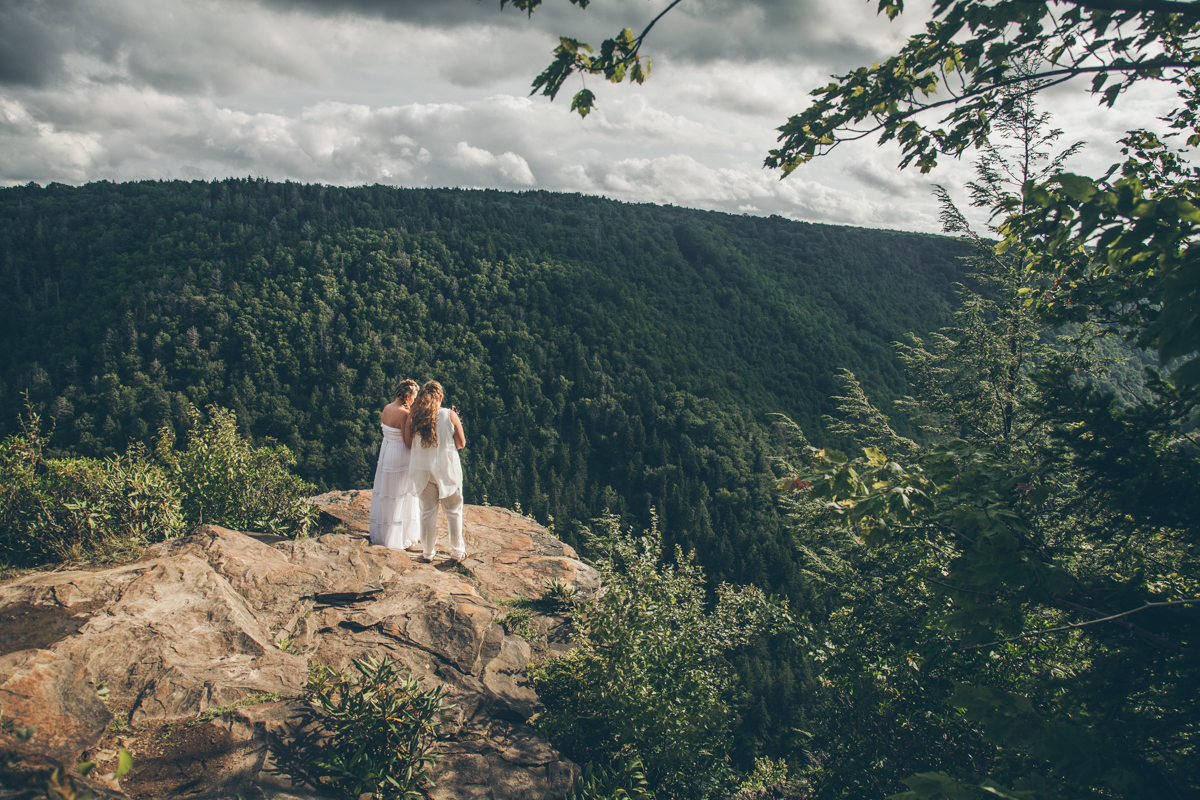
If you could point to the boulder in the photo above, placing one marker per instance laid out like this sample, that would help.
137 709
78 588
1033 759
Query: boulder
217 619
51 694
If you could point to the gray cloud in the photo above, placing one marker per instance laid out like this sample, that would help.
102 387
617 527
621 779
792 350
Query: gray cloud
224 47
500 142
172 46
34 37
700 31
397 92
886 178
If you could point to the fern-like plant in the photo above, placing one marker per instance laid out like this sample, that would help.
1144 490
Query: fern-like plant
369 731
624 779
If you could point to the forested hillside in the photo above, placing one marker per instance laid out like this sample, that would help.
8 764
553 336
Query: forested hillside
603 354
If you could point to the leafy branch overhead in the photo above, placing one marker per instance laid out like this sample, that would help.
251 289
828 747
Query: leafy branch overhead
959 66
620 58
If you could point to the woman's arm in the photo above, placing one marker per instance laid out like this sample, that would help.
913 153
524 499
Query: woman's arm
460 438
406 430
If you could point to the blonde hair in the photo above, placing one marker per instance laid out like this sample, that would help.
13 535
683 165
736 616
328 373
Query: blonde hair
422 418
404 389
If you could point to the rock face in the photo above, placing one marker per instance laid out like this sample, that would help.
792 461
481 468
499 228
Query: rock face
218 617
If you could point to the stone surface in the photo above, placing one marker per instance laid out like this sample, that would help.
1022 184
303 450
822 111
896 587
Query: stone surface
510 555
46 691
212 619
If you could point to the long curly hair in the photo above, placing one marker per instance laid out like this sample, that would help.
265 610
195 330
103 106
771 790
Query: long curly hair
423 416
405 389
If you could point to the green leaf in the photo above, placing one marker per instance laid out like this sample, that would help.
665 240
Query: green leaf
124 762
583 101
1077 187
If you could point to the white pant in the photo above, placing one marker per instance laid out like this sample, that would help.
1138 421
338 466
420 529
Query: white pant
453 506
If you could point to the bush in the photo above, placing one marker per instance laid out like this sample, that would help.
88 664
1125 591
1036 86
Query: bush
623 780
224 479
648 680
100 510
79 509
766 773
368 732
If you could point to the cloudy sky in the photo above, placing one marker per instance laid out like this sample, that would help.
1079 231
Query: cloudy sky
436 93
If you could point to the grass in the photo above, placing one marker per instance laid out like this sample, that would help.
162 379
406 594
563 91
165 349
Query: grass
167 733
285 643
252 700
557 598
519 621
519 602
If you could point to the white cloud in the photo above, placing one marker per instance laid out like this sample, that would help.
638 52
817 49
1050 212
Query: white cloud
510 167
416 93
499 142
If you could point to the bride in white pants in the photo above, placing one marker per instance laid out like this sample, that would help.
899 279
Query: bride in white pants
435 435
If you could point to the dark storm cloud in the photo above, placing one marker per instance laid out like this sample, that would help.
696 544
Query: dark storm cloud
440 13
33 40
177 48
698 31
193 48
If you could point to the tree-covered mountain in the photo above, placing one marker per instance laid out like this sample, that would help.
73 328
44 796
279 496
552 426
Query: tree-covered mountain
604 355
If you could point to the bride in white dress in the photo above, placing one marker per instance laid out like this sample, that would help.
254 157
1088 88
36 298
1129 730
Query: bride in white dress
395 516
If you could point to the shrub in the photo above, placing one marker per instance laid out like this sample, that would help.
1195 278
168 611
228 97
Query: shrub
648 680
766 773
559 596
623 780
519 621
225 480
372 734
52 781
79 509
99 510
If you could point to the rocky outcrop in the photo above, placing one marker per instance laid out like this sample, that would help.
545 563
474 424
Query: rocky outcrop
214 619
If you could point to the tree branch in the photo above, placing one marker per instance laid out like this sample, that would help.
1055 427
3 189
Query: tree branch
1074 625
1189 9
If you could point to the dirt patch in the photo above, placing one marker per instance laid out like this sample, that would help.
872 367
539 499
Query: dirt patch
178 759
28 627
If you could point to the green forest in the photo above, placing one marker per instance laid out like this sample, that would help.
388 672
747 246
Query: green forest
604 355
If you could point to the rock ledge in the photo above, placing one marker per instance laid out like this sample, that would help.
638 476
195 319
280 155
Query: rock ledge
202 622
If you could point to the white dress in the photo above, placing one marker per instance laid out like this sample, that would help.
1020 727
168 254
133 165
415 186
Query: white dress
395 513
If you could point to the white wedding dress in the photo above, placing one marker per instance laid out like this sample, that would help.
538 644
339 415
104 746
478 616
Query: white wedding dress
395 514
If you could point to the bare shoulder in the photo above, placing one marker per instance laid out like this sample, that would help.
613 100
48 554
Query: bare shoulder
393 415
